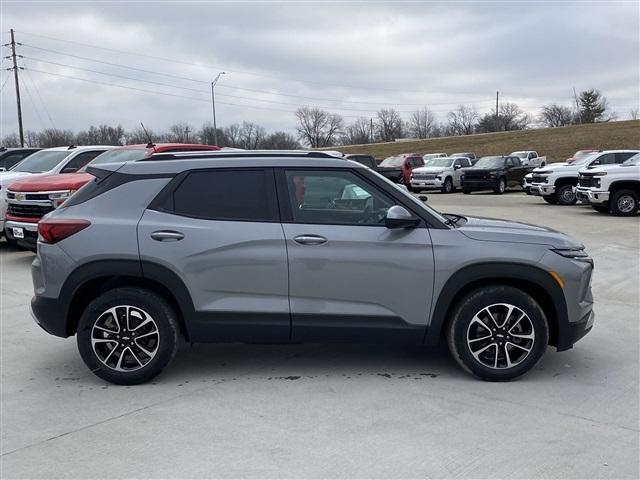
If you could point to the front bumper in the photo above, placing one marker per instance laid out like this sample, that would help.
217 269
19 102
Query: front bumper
592 196
542 189
29 231
479 183
426 184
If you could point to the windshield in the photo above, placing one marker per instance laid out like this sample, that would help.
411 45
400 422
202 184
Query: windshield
41 161
633 161
584 159
392 162
519 154
441 162
490 162
116 156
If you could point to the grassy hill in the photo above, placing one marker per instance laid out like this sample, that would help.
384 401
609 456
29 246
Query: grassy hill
556 143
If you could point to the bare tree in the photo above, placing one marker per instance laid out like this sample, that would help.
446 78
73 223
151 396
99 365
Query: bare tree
55 137
251 135
180 132
421 123
317 127
232 135
101 135
207 136
138 135
389 124
462 120
633 113
358 132
554 115
280 141
13 140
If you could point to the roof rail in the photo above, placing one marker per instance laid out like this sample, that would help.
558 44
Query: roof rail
237 154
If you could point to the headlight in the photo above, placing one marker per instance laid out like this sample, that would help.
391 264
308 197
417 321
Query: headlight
493 173
574 253
58 198
600 174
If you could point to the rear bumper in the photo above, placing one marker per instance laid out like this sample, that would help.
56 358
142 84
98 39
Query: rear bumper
542 189
592 196
48 314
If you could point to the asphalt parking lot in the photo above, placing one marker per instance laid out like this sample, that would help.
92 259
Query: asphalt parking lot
338 410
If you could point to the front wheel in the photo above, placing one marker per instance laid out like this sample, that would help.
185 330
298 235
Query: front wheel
624 203
501 187
550 199
128 335
466 191
448 185
601 208
497 333
566 195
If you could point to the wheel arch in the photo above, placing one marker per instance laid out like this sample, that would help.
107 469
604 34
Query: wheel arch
633 185
566 181
533 280
94 278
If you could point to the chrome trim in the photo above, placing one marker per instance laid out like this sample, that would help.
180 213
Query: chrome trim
31 227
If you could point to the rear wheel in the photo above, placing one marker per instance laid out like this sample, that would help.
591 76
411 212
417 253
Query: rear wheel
552 199
624 203
566 195
497 333
466 191
128 335
501 187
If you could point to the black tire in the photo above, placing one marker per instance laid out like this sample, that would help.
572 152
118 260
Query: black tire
11 242
601 208
165 342
551 199
462 324
566 196
466 191
501 187
527 190
624 203
448 185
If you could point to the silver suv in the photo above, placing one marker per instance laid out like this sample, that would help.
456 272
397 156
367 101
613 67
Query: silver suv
295 247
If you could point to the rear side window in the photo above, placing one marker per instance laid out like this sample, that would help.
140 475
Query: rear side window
246 195
623 156
80 160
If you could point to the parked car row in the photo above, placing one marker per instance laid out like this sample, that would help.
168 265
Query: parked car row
46 178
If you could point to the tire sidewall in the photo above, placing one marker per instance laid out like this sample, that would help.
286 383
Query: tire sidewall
448 185
616 198
476 301
152 304
560 198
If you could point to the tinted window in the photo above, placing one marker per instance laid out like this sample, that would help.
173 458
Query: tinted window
623 156
226 195
364 160
120 155
11 159
42 161
335 198
80 160
605 159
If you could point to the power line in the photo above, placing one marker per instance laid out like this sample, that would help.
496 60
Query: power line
33 103
179 77
42 102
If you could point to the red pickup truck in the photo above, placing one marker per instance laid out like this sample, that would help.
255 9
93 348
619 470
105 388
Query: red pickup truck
29 199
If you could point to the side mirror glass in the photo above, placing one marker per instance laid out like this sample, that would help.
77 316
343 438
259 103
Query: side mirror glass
399 217
456 167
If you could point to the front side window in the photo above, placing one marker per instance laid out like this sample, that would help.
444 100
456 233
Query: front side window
335 198
243 195
605 159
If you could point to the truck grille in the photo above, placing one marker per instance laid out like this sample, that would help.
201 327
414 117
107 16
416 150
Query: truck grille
587 181
32 211
538 179
424 176
29 196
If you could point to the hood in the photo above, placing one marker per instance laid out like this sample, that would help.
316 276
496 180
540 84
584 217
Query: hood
496 230
558 166
430 169
49 183
7 177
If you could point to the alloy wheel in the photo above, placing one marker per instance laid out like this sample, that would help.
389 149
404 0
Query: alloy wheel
500 336
626 204
125 338
567 195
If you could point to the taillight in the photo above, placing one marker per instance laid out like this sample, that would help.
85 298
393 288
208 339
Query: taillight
53 230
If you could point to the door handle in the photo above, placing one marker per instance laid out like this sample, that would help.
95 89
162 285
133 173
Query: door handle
310 240
167 236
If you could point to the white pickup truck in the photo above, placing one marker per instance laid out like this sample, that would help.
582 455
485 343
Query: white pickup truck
612 188
441 173
530 158
556 182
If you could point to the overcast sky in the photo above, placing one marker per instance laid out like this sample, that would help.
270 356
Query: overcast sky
351 58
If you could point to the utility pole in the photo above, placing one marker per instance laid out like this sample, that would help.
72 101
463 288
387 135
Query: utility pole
575 96
15 76
186 132
213 106
371 129
497 117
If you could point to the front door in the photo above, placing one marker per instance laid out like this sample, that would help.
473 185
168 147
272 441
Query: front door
351 278
219 232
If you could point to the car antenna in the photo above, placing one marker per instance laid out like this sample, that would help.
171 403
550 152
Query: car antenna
150 144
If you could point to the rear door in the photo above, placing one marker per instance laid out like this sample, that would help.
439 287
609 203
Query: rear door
351 278
219 231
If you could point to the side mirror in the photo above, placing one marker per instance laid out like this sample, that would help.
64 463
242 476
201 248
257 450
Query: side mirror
400 217
456 167
2 169
423 198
